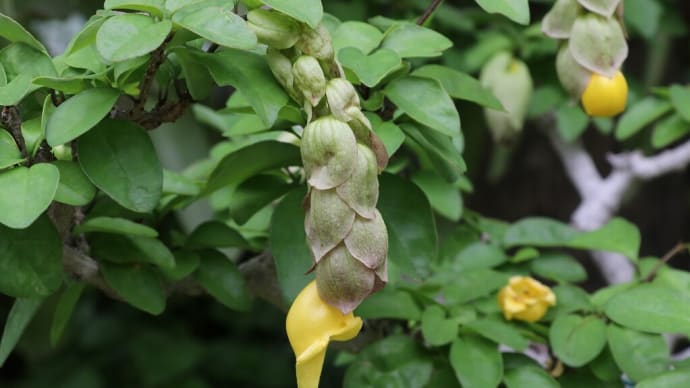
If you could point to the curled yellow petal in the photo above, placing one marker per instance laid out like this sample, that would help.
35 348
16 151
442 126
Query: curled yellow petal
311 323
525 299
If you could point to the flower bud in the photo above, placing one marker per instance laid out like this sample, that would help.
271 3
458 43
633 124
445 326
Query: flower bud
328 221
274 29
558 22
602 7
525 299
361 191
343 281
316 42
342 97
573 77
598 44
309 78
281 67
329 152
604 96
509 80
310 324
368 242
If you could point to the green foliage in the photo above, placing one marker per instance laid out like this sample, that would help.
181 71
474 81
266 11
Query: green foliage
93 209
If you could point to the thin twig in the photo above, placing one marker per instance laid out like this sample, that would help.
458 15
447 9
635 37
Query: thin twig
157 59
678 248
428 11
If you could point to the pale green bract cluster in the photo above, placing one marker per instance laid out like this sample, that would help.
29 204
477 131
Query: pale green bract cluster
342 158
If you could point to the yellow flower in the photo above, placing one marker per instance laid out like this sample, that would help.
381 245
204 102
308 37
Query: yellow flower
525 299
310 324
605 97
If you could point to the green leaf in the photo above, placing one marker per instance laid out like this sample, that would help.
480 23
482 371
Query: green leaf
307 11
154 7
577 340
413 41
390 134
23 310
9 151
246 162
15 32
618 235
444 197
216 21
559 267
130 249
21 64
186 262
128 36
643 16
515 10
477 256
31 260
476 362
371 69
538 232
25 193
221 278
215 234
680 99
640 115
137 284
411 229
639 355
391 304
651 308
529 376
425 101
443 154
33 131
79 114
470 285
360 35
116 226
569 299
119 158
571 121
498 330
460 85
249 73
436 328
289 244
254 194
63 311
669 130
74 188
675 379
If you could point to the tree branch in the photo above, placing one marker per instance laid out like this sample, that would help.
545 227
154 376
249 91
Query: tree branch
10 119
602 197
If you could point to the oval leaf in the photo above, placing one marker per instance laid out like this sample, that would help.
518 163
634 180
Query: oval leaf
128 36
25 193
216 21
31 260
119 158
515 10
651 308
425 101
137 284
639 355
75 188
577 340
79 114
221 278
307 11
477 362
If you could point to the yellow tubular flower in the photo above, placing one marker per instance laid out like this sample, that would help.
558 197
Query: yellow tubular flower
310 324
525 299
605 97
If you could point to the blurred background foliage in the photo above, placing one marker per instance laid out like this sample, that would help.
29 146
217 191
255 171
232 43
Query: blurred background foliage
199 343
